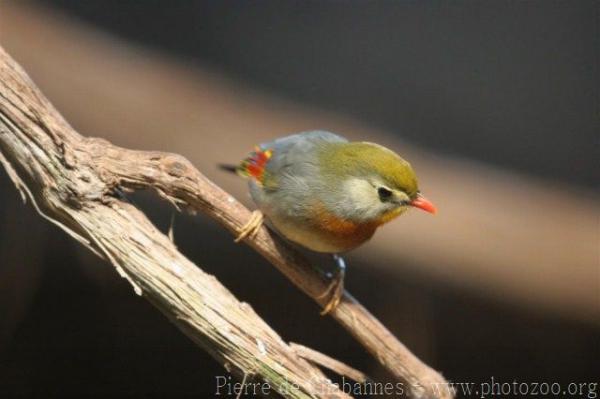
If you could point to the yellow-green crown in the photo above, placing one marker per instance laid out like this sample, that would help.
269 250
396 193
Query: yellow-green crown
364 159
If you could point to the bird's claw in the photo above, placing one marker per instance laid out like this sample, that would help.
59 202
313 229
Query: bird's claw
336 287
251 227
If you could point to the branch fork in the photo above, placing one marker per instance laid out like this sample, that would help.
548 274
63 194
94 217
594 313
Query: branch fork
75 182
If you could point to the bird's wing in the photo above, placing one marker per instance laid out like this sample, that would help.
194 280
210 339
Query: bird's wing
286 156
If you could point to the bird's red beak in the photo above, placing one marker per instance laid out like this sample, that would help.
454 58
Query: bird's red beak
423 203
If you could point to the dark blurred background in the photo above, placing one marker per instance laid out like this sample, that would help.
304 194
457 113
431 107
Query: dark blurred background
495 81
508 87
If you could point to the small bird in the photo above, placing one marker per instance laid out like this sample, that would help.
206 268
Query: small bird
327 194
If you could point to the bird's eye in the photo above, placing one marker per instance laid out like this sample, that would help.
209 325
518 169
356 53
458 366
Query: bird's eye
384 193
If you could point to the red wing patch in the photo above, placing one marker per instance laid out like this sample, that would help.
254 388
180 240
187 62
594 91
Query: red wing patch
254 165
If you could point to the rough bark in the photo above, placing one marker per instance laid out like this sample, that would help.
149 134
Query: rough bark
78 183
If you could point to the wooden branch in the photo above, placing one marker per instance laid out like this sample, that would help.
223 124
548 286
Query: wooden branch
210 118
50 165
323 360
175 179
77 181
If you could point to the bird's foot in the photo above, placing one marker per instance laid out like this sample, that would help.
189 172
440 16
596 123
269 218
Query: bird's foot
336 287
252 226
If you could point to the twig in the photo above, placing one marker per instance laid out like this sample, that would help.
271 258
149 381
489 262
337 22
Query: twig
330 363
108 168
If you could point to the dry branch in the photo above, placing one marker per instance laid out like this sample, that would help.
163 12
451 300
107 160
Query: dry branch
77 181
329 363
50 165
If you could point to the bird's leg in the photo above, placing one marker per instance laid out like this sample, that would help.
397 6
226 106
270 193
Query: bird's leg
336 287
252 226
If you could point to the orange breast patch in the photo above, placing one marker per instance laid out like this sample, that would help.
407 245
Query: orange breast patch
327 221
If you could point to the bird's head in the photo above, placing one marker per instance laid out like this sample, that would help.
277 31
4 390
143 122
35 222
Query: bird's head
371 183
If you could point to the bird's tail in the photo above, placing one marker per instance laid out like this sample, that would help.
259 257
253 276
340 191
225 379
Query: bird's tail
253 166
229 168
